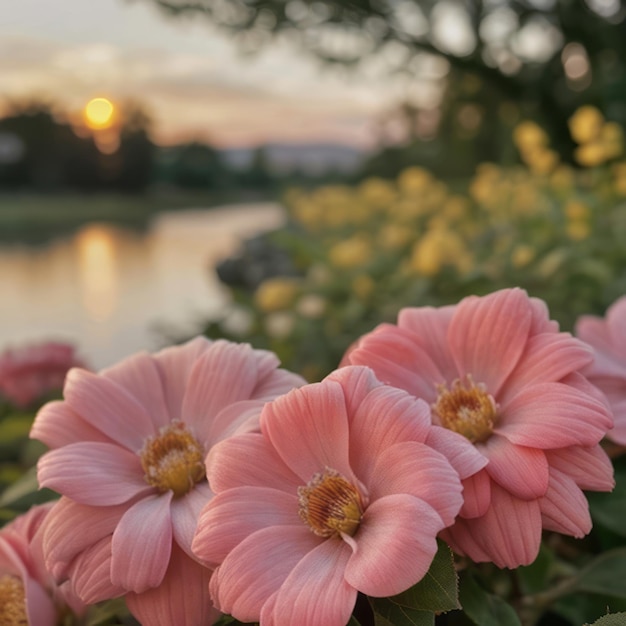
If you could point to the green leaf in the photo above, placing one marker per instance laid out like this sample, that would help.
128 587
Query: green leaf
616 619
25 486
387 613
535 577
483 608
604 575
438 591
609 509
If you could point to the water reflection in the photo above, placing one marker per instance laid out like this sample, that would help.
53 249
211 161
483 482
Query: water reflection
107 289
99 276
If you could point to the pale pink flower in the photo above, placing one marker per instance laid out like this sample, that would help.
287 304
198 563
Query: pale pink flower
341 492
28 595
497 370
30 372
607 337
127 454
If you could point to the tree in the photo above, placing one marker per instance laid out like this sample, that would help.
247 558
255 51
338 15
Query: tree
548 56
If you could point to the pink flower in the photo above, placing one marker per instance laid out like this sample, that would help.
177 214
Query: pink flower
496 370
127 455
28 594
339 493
607 337
30 372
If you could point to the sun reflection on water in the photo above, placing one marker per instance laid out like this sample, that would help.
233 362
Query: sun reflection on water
98 271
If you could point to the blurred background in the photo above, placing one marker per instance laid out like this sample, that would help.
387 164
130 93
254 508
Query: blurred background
291 173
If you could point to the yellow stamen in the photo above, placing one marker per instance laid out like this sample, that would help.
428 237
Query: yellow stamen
330 505
173 460
466 409
12 602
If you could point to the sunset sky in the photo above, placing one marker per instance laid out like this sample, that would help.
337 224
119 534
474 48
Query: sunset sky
190 77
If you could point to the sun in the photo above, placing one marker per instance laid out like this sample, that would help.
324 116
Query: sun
99 113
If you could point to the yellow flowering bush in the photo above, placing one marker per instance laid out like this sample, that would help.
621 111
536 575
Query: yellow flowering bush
365 251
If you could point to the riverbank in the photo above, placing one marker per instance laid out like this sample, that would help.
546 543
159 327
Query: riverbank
37 218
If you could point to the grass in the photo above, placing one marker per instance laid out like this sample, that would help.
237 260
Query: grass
35 218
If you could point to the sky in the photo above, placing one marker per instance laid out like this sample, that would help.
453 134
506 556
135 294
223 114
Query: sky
192 80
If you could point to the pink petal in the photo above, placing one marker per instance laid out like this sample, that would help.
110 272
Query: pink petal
248 460
57 425
39 606
616 321
594 330
357 382
231 419
462 454
181 599
488 335
553 415
72 528
237 513
185 512
385 417
564 508
429 326
109 408
476 495
548 358
275 382
393 552
139 375
415 469
521 471
224 374
257 567
509 533
99 474
175 364
461 539
308 427
90 574
398 360
142 543
316 592
590 468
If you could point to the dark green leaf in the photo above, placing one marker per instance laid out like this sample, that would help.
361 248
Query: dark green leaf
609 509
387 613
483 608
605 574
438 591
534 577
616 619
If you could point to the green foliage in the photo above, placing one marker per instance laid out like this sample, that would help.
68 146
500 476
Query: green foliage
484 608
616 619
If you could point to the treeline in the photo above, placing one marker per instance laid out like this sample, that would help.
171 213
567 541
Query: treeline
41 152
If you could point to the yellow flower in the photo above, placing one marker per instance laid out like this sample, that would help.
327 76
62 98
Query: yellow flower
311 306
351 252
377 192
393 236
613 139
591 154
541 161
528 135
575 210
276 294
522 255
586 124
562 177
437 248
414 180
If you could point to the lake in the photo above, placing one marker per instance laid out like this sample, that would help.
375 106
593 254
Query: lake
108 290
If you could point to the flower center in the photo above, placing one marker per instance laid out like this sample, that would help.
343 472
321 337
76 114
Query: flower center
467 409
330 505
173 460
12 602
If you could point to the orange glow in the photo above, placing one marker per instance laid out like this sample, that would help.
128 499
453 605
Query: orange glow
99 113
